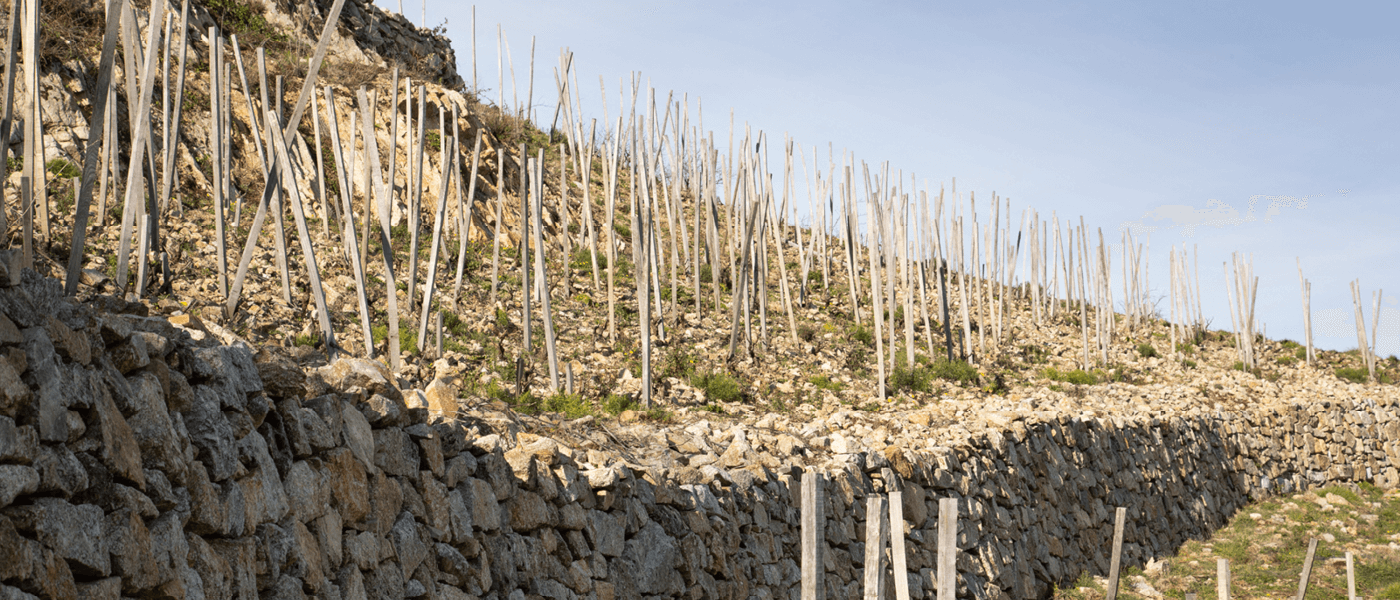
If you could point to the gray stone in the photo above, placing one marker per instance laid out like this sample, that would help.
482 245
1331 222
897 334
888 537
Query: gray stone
359 437
281 377
308 491
60 471
211 433
16 480
153 428
606 531
481 500
17 444
120 451
68 529
362 550
407 545
395 452
528 511
371 375
13 392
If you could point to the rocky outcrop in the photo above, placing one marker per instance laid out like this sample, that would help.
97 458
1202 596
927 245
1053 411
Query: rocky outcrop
142 458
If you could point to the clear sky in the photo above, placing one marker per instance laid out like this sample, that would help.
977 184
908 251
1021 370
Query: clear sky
1130 114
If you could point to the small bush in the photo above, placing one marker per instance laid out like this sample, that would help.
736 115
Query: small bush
614 404
1190 364
706 275
917 379
857 359
814 276
806 332
1146 351
1287 361
1290 344
1353 375
572 406
825 383
1076 377
718 387
954 370
502 320
677 363
1301 354
862 334
1238 366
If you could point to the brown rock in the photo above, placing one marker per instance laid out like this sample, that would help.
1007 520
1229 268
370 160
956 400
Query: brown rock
9 333
442 397
281 377
70 344
120 451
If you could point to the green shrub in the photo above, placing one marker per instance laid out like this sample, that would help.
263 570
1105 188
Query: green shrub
825 383
718 386
1287 361
917 379
677 363
706 275
806 332
814 276
1301 353
614 404
954 370
1353 375
1076 377
862 334
572 406
63 169
1190 364
1238 366
1146 351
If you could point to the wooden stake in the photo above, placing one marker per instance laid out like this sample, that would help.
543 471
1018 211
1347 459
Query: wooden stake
876 534
308 252
541 275
135 186
897 555
345 175
1222 579
947 548
96 142
449 167
1307 569
813 537
379 188
1351 579
470 200
1116 559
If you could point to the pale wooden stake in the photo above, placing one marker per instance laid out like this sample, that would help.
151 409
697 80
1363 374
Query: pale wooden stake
813 537
500 225
449 168
308 252
378 187
897 556
877 532
415 185
97 126
1222 579
1351 579
11 50
1116 560
345 174
541 275
470 200
134 180
947 548
1307 569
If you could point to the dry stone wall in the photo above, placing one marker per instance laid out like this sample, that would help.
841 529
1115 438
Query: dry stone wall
140 457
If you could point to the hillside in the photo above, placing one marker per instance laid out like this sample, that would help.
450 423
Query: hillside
751 356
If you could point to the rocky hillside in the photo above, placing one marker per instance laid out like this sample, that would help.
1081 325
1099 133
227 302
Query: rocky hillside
242 453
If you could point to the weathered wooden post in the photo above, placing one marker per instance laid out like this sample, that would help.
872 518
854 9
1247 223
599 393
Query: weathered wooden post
947 548
1307 569
876 533
897 556
813 538
1222 579
1116 560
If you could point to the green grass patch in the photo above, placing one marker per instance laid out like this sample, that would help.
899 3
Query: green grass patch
954 370
825 383
1357 375
1076 377
1146 351
718 386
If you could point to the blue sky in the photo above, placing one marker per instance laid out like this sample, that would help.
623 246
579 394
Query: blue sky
1101 109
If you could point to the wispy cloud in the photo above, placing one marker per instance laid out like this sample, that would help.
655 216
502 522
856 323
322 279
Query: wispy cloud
1215 214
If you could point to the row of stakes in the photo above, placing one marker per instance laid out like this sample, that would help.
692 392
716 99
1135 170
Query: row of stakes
878 536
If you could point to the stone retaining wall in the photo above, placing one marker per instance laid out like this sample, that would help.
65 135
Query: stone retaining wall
139 458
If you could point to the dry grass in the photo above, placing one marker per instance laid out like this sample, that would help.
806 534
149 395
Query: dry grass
1267 542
